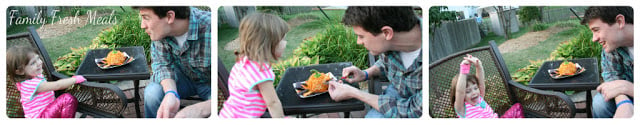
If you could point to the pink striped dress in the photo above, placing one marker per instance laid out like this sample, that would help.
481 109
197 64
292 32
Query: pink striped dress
244 99
481 110
34 103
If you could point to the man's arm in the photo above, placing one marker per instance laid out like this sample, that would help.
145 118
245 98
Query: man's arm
161 66
624 110
367 98
373 71
162 72
198 110
394 107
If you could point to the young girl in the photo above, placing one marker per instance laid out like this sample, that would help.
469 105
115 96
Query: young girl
469 90
24 68
251 78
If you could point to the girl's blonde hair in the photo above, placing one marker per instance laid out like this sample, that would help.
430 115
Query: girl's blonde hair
17 59
471 79
260 34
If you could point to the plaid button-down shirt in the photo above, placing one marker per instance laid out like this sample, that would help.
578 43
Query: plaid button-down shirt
408 83
193 58
617 65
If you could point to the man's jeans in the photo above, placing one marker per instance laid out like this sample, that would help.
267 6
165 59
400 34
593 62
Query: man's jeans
603 109
373 113
153 92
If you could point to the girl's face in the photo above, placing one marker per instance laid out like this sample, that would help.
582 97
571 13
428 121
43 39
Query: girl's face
472 94
280 48
34 67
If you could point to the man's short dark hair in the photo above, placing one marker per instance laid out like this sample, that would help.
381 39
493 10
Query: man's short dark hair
608 14
182 12
373 18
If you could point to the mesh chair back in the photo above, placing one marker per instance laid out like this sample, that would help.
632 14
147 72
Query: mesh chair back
442 72
223 91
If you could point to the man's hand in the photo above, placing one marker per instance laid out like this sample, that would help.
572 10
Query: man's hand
339 91
355 72
169 106
198 110
612 89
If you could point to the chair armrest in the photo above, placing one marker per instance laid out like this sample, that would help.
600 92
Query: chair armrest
100 99
541 103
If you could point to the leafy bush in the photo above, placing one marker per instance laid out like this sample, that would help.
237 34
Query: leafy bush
295 61
524 74
126 32
438 14
68 63
336 43
580 46
539 27
529 14
270 9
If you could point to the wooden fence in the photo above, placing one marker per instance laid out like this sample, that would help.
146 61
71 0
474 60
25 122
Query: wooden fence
453 37
561 14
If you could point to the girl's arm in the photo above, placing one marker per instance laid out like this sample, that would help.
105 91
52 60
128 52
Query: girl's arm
56 85
479 72
461 87
271 99
480 75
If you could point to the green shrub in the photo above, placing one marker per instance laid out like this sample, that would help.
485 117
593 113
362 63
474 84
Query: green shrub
524 74
529 14
295 61
126 32
68 63
336 43
539 27
580 46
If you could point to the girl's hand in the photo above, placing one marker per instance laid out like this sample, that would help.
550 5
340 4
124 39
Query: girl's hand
79 79
476 62
465 62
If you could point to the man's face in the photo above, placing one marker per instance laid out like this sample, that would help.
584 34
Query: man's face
609 36
375 44
156 27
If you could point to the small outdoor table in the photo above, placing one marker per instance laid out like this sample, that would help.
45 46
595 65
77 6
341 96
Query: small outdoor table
586 81
293 104
136 70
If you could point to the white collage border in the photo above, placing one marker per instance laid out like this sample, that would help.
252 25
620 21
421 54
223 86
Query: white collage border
214 4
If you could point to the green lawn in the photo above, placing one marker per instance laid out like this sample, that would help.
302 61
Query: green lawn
294 37
520 58
226 34
500 39
60 45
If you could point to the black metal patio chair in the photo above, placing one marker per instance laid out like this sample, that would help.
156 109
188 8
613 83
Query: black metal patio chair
94 99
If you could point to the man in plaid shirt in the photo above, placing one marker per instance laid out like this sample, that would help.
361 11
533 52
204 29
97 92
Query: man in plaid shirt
612 27
395 34
181 60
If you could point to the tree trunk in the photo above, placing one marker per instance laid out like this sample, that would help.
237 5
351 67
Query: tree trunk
504 23
541 9
507 18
